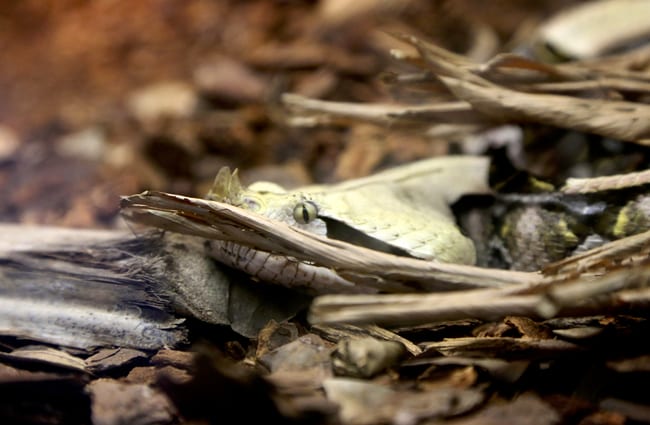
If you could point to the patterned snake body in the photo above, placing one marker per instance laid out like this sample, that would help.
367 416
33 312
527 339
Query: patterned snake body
403 211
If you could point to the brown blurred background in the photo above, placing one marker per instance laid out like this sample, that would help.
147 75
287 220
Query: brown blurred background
107 98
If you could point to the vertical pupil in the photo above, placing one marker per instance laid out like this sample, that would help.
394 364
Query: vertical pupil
305 214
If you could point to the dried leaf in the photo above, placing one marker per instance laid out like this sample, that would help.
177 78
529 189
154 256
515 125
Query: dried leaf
305 353
113 358
336 333
508 348
45 356
507 371
275 335
616 119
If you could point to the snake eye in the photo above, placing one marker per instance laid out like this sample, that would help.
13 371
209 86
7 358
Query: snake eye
305 212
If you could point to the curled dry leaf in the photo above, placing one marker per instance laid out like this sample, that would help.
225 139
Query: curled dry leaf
616 119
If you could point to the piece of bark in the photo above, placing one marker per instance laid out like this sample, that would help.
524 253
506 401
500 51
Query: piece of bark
86 288
113 358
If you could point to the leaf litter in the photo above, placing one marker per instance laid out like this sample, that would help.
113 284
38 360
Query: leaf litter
497 345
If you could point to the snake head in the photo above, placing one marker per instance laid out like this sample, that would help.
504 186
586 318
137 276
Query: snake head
226 187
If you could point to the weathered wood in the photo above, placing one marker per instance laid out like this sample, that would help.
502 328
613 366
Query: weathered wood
88 288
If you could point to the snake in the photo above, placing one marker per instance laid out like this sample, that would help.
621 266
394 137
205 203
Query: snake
403 211
529 231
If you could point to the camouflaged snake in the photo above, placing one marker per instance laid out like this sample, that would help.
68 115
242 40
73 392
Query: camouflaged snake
404 211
